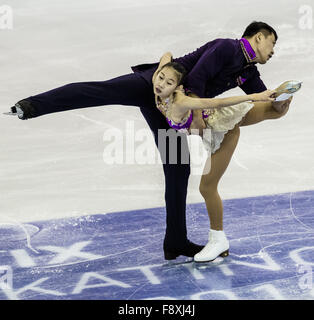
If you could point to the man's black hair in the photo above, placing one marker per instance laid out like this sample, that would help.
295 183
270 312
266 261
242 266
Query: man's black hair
258 26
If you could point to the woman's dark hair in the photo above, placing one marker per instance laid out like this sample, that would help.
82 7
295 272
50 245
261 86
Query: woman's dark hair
256 27
180 70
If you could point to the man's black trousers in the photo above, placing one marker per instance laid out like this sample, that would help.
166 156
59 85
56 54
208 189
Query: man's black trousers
131 90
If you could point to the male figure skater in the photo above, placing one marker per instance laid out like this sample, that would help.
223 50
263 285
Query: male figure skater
216 67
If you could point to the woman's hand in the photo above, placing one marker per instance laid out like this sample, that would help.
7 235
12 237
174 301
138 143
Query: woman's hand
267 95
179 89
179 92
166 58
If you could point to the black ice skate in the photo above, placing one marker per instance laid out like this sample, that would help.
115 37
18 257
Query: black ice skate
23 109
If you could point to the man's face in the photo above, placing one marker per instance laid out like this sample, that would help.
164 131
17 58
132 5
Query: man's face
264 47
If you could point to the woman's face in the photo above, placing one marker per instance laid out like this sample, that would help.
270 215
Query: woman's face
165 83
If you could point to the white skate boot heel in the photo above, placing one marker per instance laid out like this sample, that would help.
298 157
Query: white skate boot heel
217 246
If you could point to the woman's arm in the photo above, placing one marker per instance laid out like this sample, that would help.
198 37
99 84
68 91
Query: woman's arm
166 58
186 103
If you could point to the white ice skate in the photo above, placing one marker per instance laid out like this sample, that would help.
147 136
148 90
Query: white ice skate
287 89
218 245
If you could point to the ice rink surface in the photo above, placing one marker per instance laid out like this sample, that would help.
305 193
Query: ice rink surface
54 179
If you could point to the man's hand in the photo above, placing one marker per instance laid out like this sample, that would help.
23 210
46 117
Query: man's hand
198 122
154 75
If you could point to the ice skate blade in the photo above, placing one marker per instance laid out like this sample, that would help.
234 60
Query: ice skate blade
283 96
10 113
223 255
20 116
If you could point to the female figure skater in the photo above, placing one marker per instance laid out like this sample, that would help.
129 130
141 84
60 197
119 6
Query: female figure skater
223 116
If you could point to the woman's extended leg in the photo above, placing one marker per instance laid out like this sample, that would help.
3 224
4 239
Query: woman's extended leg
264 111
221 158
